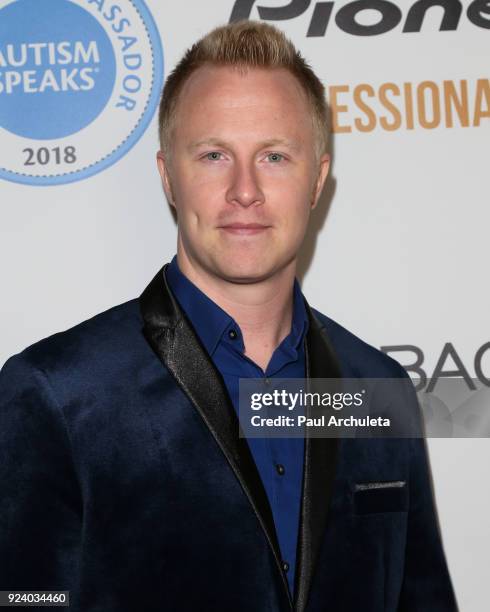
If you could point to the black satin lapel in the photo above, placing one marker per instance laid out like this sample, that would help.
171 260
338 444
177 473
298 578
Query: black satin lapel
319 468
174 341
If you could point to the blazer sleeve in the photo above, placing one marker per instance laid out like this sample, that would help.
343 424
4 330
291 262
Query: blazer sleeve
40 500
426 584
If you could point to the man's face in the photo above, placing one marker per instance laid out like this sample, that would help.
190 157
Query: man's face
243 174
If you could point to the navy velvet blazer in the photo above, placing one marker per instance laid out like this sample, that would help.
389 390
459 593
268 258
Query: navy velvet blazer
124 481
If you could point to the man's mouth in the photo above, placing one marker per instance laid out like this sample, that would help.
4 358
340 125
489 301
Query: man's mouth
244 229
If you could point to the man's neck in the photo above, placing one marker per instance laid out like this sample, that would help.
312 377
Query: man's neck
263 310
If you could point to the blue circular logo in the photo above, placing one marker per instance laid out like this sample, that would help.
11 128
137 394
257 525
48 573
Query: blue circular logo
79 84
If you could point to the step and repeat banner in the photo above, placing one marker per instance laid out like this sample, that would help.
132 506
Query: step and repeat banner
397 250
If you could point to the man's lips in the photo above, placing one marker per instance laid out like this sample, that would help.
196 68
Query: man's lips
244 229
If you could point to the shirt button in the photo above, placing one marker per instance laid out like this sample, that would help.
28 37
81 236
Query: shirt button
232 334
280 469
285 566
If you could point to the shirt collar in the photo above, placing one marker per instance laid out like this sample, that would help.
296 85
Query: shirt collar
210 321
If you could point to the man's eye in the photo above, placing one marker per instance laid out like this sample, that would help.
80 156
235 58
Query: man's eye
275 157
213 156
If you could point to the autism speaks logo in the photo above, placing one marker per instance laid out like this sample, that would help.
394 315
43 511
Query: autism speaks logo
79 83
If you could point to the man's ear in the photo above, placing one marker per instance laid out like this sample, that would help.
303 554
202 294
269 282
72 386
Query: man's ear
163 169
324 166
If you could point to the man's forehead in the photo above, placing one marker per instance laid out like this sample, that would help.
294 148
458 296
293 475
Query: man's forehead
226 108
211 79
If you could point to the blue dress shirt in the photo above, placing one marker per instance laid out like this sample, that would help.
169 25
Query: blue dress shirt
279 461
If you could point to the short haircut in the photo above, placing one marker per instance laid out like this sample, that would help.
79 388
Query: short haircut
245 44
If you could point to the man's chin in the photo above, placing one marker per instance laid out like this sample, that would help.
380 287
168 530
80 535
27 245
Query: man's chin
246 274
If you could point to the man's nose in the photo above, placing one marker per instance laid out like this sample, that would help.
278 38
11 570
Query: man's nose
244 186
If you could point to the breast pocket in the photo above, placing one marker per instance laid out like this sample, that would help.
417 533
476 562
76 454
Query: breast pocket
380 497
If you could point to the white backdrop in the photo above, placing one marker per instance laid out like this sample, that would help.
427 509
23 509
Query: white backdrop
399 257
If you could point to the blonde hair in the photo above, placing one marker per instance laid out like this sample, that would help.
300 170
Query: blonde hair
244 44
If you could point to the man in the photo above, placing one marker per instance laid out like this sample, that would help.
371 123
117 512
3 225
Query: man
124 478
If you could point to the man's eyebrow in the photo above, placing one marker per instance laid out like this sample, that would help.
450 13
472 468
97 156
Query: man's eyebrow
213 142
273 142
283 142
